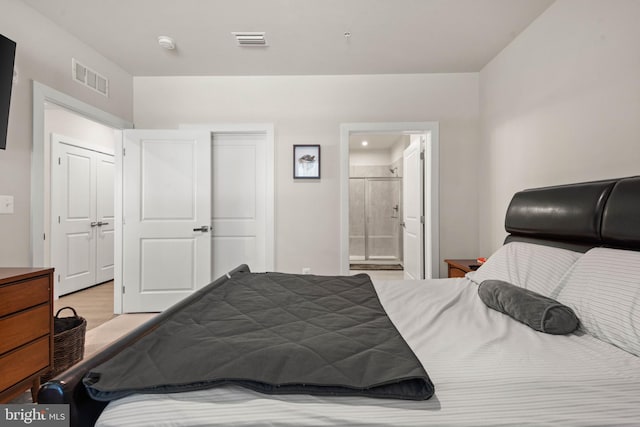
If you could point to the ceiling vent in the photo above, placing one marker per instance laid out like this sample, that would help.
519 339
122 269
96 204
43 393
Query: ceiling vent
89 78
250 38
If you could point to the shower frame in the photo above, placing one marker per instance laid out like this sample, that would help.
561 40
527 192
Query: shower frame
367 256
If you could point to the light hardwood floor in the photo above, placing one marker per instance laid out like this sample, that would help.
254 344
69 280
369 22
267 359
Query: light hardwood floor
94 304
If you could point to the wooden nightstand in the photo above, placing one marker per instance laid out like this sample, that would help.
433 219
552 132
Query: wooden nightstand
460 267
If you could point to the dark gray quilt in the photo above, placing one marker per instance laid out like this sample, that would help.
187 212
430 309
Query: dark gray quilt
274 333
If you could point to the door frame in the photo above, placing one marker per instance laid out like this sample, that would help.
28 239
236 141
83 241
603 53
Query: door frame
431 186
43 94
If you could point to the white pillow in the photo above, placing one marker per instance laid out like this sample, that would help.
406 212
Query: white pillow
603 288
535 267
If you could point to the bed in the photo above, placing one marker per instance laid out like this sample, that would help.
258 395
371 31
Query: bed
574 244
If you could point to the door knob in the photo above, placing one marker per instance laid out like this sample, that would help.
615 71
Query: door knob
100 223
94 224
204 228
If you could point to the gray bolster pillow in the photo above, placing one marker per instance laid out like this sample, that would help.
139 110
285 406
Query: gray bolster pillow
534 310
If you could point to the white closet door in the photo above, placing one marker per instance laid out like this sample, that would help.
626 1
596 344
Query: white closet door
167 214
73 198
239 213
413 229
105 217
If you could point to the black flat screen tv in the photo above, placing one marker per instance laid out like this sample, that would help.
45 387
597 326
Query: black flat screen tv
7 59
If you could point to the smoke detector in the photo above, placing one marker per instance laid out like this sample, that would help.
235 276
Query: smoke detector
166 42
247 38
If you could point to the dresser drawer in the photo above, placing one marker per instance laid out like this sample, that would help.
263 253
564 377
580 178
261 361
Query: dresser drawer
20 295
24 327
24 362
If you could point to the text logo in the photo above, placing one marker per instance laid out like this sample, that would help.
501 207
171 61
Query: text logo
34 415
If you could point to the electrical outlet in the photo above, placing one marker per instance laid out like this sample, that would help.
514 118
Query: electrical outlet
306 270
6 204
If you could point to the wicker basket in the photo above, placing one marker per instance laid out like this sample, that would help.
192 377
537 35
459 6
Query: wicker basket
68 342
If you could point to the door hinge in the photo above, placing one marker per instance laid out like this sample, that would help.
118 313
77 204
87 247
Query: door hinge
44 236
58 219
123 289
58 278
124 151
422 219
422 155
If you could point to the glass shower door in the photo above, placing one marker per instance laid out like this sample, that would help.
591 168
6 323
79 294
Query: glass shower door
374 219
382 218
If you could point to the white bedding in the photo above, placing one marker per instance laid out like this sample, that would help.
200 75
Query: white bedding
487 370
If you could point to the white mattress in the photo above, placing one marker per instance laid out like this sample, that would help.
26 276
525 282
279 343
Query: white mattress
487 370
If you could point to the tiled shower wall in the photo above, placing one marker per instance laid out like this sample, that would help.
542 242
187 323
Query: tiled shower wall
375 212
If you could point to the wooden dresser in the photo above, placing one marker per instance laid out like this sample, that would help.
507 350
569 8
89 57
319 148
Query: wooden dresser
26 329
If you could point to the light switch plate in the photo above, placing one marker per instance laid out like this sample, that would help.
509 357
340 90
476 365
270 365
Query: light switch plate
6 204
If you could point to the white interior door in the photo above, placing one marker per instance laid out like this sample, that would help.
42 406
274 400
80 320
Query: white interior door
167 214
413 229
105 217
239 213
73 208
82 185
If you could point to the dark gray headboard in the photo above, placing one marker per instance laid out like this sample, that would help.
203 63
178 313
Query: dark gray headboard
578 216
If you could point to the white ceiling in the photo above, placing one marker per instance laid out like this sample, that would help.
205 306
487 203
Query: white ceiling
304 36
375 141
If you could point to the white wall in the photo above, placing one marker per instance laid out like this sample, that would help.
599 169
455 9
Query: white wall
398 148
560 104
43 53
90 134
309 110
370 158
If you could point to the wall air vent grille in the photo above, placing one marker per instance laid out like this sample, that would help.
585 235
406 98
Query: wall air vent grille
250 38
89 78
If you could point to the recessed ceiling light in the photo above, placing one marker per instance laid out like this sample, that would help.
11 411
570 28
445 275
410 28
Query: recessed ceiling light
365 143
166 42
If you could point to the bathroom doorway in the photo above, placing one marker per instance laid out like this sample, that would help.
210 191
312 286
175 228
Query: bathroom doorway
375 200
420 195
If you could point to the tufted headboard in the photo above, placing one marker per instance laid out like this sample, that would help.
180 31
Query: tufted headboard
578 216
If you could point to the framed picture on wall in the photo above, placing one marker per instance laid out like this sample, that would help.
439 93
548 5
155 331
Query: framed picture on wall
306 161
